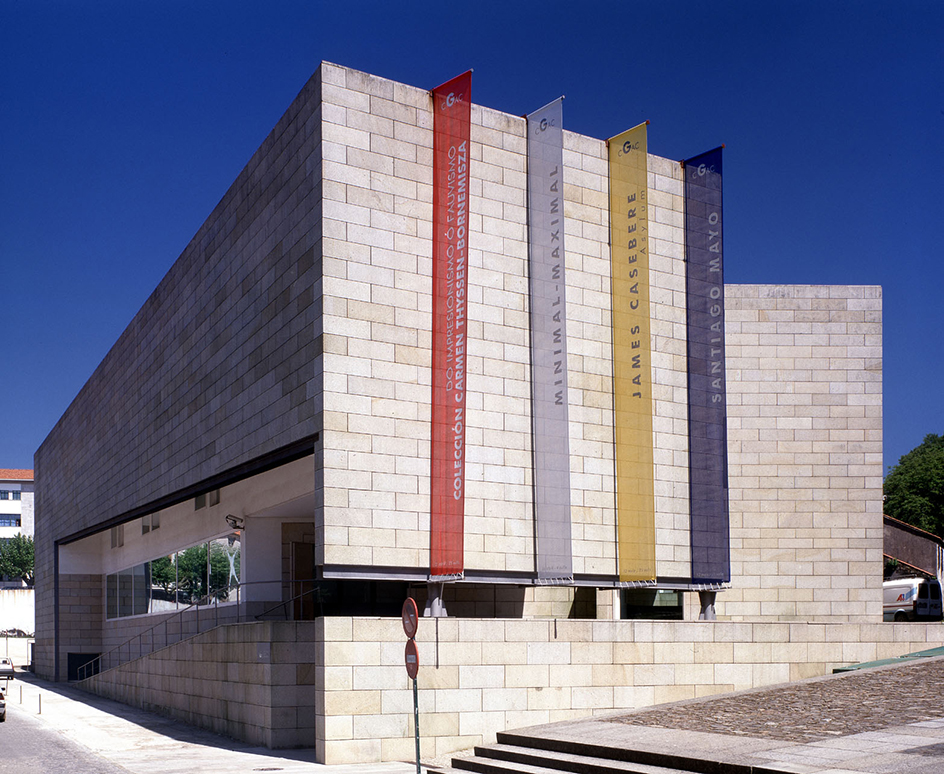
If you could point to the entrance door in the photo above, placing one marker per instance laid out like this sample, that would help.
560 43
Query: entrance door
303 586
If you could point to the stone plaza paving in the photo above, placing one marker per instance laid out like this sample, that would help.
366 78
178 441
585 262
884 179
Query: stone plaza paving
852 703
870 721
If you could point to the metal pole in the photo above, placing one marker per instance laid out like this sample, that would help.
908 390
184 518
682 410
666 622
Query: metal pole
416 724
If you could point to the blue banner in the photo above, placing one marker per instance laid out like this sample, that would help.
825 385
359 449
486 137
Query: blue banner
707 405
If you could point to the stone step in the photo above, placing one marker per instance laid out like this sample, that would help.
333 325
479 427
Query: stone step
521 752
670 761
505 758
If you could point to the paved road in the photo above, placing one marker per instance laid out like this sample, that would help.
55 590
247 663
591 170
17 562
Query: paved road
29 745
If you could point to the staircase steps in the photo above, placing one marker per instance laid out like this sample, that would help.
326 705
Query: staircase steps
518 753
512 759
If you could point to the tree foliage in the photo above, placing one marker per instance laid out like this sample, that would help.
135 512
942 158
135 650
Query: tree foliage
914 488
185 574
16 558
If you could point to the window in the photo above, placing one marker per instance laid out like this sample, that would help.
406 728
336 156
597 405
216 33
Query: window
4 494
206 498
150 523
651 603
10 520
205 573
118 536
15 494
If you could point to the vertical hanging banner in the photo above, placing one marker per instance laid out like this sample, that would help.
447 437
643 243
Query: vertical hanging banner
707 405
451 122
548 303
632 355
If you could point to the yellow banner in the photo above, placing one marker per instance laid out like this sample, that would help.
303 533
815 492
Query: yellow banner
632 356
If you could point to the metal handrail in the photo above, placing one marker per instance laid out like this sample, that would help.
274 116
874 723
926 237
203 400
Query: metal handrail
95 666
284 604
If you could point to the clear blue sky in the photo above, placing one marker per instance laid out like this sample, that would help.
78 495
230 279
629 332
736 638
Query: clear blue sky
123 122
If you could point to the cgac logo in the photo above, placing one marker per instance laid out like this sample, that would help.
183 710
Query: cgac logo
628 147
703 170
450 100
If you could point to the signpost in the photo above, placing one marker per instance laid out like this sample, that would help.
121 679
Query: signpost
411 656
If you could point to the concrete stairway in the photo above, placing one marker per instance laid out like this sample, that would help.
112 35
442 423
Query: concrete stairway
517 753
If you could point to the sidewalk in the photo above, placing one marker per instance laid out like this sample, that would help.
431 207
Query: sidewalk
146 743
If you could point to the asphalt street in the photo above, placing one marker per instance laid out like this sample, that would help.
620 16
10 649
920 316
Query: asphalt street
27 744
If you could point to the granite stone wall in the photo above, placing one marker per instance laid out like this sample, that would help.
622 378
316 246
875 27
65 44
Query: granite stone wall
377 141
804 367
339 684
255 682
217 368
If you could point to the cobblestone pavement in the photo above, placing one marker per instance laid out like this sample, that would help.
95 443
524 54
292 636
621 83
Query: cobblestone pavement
882 720
826 708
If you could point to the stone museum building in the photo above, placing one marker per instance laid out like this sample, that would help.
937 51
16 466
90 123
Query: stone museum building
399 360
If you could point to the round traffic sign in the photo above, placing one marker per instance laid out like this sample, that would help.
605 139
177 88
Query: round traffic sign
410 617
412 659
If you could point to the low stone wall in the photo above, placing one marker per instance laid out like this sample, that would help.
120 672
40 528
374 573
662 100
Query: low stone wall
339 684
478 677
254 682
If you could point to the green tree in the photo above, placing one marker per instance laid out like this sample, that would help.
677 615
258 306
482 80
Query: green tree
192 574
164 576
16 558
914 488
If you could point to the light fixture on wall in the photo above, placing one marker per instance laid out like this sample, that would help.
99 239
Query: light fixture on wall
235 522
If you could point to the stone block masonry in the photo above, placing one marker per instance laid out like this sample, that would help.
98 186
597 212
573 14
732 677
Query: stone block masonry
339 684
218 367
377 146
805 452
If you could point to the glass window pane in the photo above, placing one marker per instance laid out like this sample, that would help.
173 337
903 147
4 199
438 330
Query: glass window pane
164 584
142 582
125 586
192 574
224 567
111 596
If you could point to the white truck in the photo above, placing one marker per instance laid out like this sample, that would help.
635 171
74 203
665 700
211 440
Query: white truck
911 599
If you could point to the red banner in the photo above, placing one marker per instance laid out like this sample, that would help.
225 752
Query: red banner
451 119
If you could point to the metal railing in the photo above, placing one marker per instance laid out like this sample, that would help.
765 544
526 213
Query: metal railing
317 596
187 623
